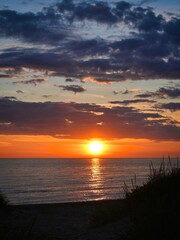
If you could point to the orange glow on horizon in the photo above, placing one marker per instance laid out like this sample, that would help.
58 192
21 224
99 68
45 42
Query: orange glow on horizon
42 146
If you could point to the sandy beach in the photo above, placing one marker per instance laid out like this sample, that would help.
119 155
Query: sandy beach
61 221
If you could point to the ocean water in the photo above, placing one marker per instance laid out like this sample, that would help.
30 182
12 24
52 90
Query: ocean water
34 181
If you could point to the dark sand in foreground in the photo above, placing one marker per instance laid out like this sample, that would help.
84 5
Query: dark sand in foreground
61 221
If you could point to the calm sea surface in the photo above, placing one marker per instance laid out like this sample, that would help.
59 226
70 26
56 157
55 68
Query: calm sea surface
30 181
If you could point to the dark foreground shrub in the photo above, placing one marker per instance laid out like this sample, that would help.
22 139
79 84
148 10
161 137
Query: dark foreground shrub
154 208
4 203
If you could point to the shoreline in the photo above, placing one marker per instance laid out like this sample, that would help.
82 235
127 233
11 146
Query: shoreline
65 221
68 204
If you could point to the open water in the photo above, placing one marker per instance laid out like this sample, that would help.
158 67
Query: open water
34 181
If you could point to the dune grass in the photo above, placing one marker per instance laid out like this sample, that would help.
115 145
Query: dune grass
4 202
153 208
6 216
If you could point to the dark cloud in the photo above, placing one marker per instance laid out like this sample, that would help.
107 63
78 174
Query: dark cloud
5 76
49 96
31 81
145 95
145 19
171 30
97 11
142 18
121 9
127 102
151 51
9 98
171 92
65 5
173 107
121 64
89 47
70 80
81 121
72 88
20 91
42 27
116 92
59 64
123 92
94 11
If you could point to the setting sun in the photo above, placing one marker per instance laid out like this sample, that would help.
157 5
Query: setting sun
95 147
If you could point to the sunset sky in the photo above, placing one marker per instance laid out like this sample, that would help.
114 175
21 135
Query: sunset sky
76 71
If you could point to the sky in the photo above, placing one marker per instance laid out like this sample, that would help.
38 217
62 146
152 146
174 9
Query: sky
76 71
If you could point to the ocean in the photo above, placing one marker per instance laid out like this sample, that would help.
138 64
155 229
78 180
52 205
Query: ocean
35 181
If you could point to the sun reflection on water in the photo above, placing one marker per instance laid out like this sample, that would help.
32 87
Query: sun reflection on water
96 179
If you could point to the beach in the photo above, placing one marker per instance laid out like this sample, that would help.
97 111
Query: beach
61 221
147 212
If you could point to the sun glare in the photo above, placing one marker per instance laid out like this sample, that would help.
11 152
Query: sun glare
95 147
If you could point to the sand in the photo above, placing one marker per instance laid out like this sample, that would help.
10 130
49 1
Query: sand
61 221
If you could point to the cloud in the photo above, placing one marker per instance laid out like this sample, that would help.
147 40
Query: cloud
31 81
97 11
149 51
116 92
70 80
127 91
145 95
102 12
171 92
80 120
127 102
173 107
20 91
171 30
49 96
65 5
72 88
5 76
11 98
33 27
94 11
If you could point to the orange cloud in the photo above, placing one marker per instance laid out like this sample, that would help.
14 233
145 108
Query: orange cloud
93 80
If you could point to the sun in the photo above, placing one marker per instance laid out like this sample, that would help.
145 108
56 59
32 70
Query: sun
96 147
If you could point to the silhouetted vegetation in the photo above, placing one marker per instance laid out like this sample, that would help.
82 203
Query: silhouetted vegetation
7 219
153 208
4 203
